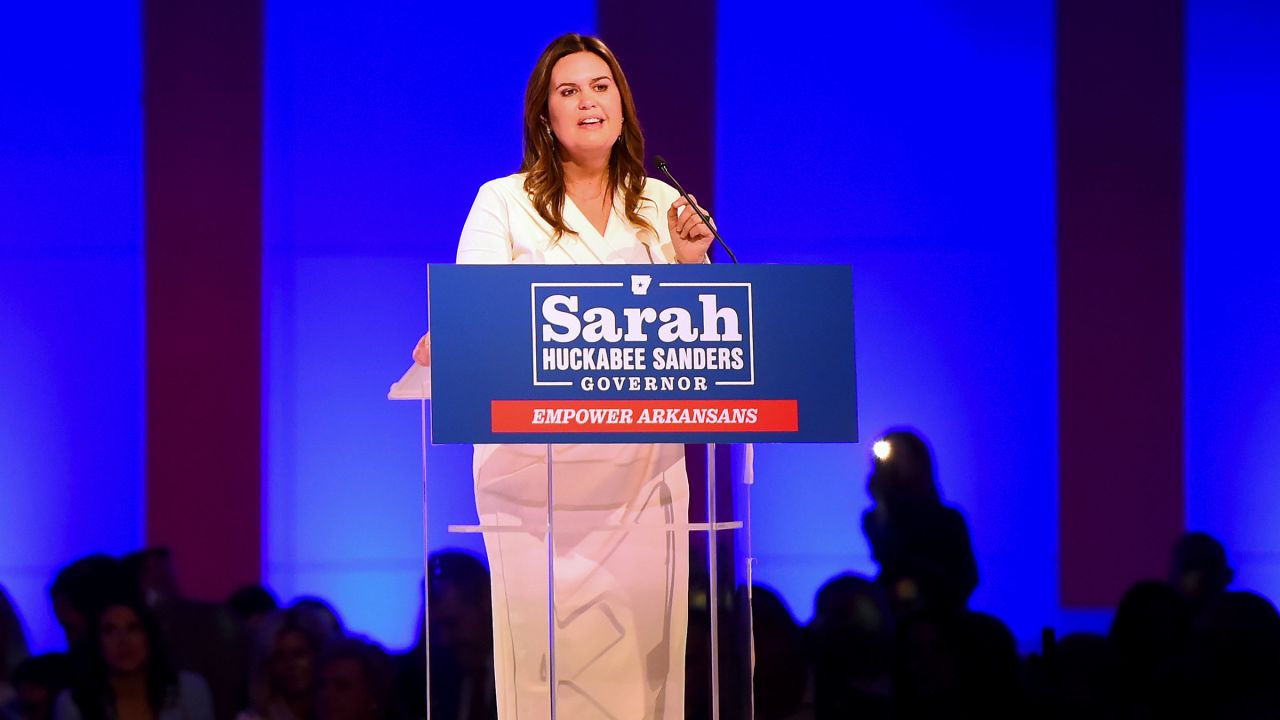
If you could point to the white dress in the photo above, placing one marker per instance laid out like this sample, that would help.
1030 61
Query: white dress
621 598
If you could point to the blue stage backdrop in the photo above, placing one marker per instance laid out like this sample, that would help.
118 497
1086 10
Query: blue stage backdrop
914 141
71 301
1233 282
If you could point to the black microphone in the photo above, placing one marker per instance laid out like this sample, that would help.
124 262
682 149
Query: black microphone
662 165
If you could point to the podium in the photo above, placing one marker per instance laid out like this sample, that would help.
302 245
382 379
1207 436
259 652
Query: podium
595 375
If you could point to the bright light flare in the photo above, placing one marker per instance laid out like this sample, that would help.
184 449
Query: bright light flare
882 450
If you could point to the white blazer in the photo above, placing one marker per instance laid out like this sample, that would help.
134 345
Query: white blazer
504 227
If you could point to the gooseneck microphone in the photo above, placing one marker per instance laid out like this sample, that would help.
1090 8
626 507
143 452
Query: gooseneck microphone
662 165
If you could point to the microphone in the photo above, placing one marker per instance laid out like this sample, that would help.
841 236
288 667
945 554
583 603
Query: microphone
662 165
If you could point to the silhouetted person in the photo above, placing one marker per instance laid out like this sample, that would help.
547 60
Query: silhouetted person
203 638
734 676
921 545
284 666
252 604
1236 645
322 613
80 589
123 672
462 681
851 641
37 681
1076 679
1150 637
956 664
782 668
357 682
1198 569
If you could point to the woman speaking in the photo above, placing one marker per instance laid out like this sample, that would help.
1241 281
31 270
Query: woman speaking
621 598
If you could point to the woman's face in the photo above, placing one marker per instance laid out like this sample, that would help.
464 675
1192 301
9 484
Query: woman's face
584 108
124 641
292 664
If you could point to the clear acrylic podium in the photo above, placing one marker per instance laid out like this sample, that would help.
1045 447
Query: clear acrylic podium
546 361
721 650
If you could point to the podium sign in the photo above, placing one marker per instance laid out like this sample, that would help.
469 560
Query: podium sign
642 353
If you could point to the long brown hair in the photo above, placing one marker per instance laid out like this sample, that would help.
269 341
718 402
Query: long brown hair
545 177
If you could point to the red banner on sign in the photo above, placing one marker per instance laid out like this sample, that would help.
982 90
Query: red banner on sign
643 416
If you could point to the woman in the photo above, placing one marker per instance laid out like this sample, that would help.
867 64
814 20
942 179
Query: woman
282 684
921 544
123 673
356 681
621 599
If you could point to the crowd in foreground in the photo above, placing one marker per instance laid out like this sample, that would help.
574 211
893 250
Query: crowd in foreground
901 645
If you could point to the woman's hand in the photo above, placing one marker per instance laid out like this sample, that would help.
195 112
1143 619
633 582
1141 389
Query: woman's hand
689 234
422 353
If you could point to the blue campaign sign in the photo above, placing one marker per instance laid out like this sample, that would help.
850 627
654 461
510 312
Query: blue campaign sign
642 353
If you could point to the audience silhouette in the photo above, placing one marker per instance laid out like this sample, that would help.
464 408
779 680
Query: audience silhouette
902 645
37 682
461 631
851 642
781 671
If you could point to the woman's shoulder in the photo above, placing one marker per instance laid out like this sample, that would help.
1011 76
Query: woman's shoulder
661 193
509 185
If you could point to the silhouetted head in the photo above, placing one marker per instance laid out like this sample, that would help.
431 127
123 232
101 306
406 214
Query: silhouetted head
124 641
851 641
460 609
1238 639
956 664
1152 625
252 603
37 682
1083 675
781 666
151 570
1198 568
356 681
322 613
285 656
851 606
80 589
902 471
